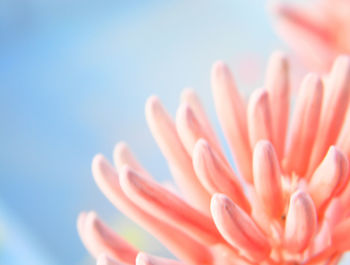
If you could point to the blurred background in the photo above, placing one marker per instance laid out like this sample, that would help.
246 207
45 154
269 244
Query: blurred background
74 76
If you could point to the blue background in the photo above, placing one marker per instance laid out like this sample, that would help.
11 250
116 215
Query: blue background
74 76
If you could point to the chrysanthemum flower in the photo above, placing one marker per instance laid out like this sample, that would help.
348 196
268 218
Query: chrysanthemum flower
317 33
287 204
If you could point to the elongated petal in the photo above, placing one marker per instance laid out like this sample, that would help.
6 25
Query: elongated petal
101 239
180 243
239 229
189 97
145 259
301 222
267 178
259 117
231 110
190 130
277 83
328 176
216 176
123 156
159 201
164 132
333 110
306 116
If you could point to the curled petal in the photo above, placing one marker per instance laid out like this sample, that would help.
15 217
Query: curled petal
301 222
277 83
328 176
306 115
101 239
189 97
190 129
259 117
179 242
164 132
216 176
123 156
239 229
267 178
335 103
164 204
231 110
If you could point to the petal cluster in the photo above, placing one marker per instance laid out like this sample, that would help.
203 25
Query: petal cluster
288 200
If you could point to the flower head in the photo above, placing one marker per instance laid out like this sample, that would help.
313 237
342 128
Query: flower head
289 201
317 33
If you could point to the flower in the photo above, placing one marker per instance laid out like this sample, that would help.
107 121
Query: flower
289 204
318 33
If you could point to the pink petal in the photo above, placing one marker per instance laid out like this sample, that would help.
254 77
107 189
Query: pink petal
164 132
216 175
123 156
231 110
190 98
101 239
267 178
306 115
259 117
180 243
239 229
167 206
190 130
277 84
327 177
301 222
335 104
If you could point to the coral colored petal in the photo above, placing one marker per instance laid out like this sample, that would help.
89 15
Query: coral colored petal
259 117
167 206
231 111
277 83
239 229
123 156
101 239
267 178
164 132
306 115
334 107
190 130
301 222
180 243
328 176
216 176
189 97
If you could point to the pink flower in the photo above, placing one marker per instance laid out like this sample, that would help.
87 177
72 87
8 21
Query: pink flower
289 204
317 33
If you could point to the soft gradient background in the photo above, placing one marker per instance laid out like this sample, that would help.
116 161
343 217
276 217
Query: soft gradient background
74 76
